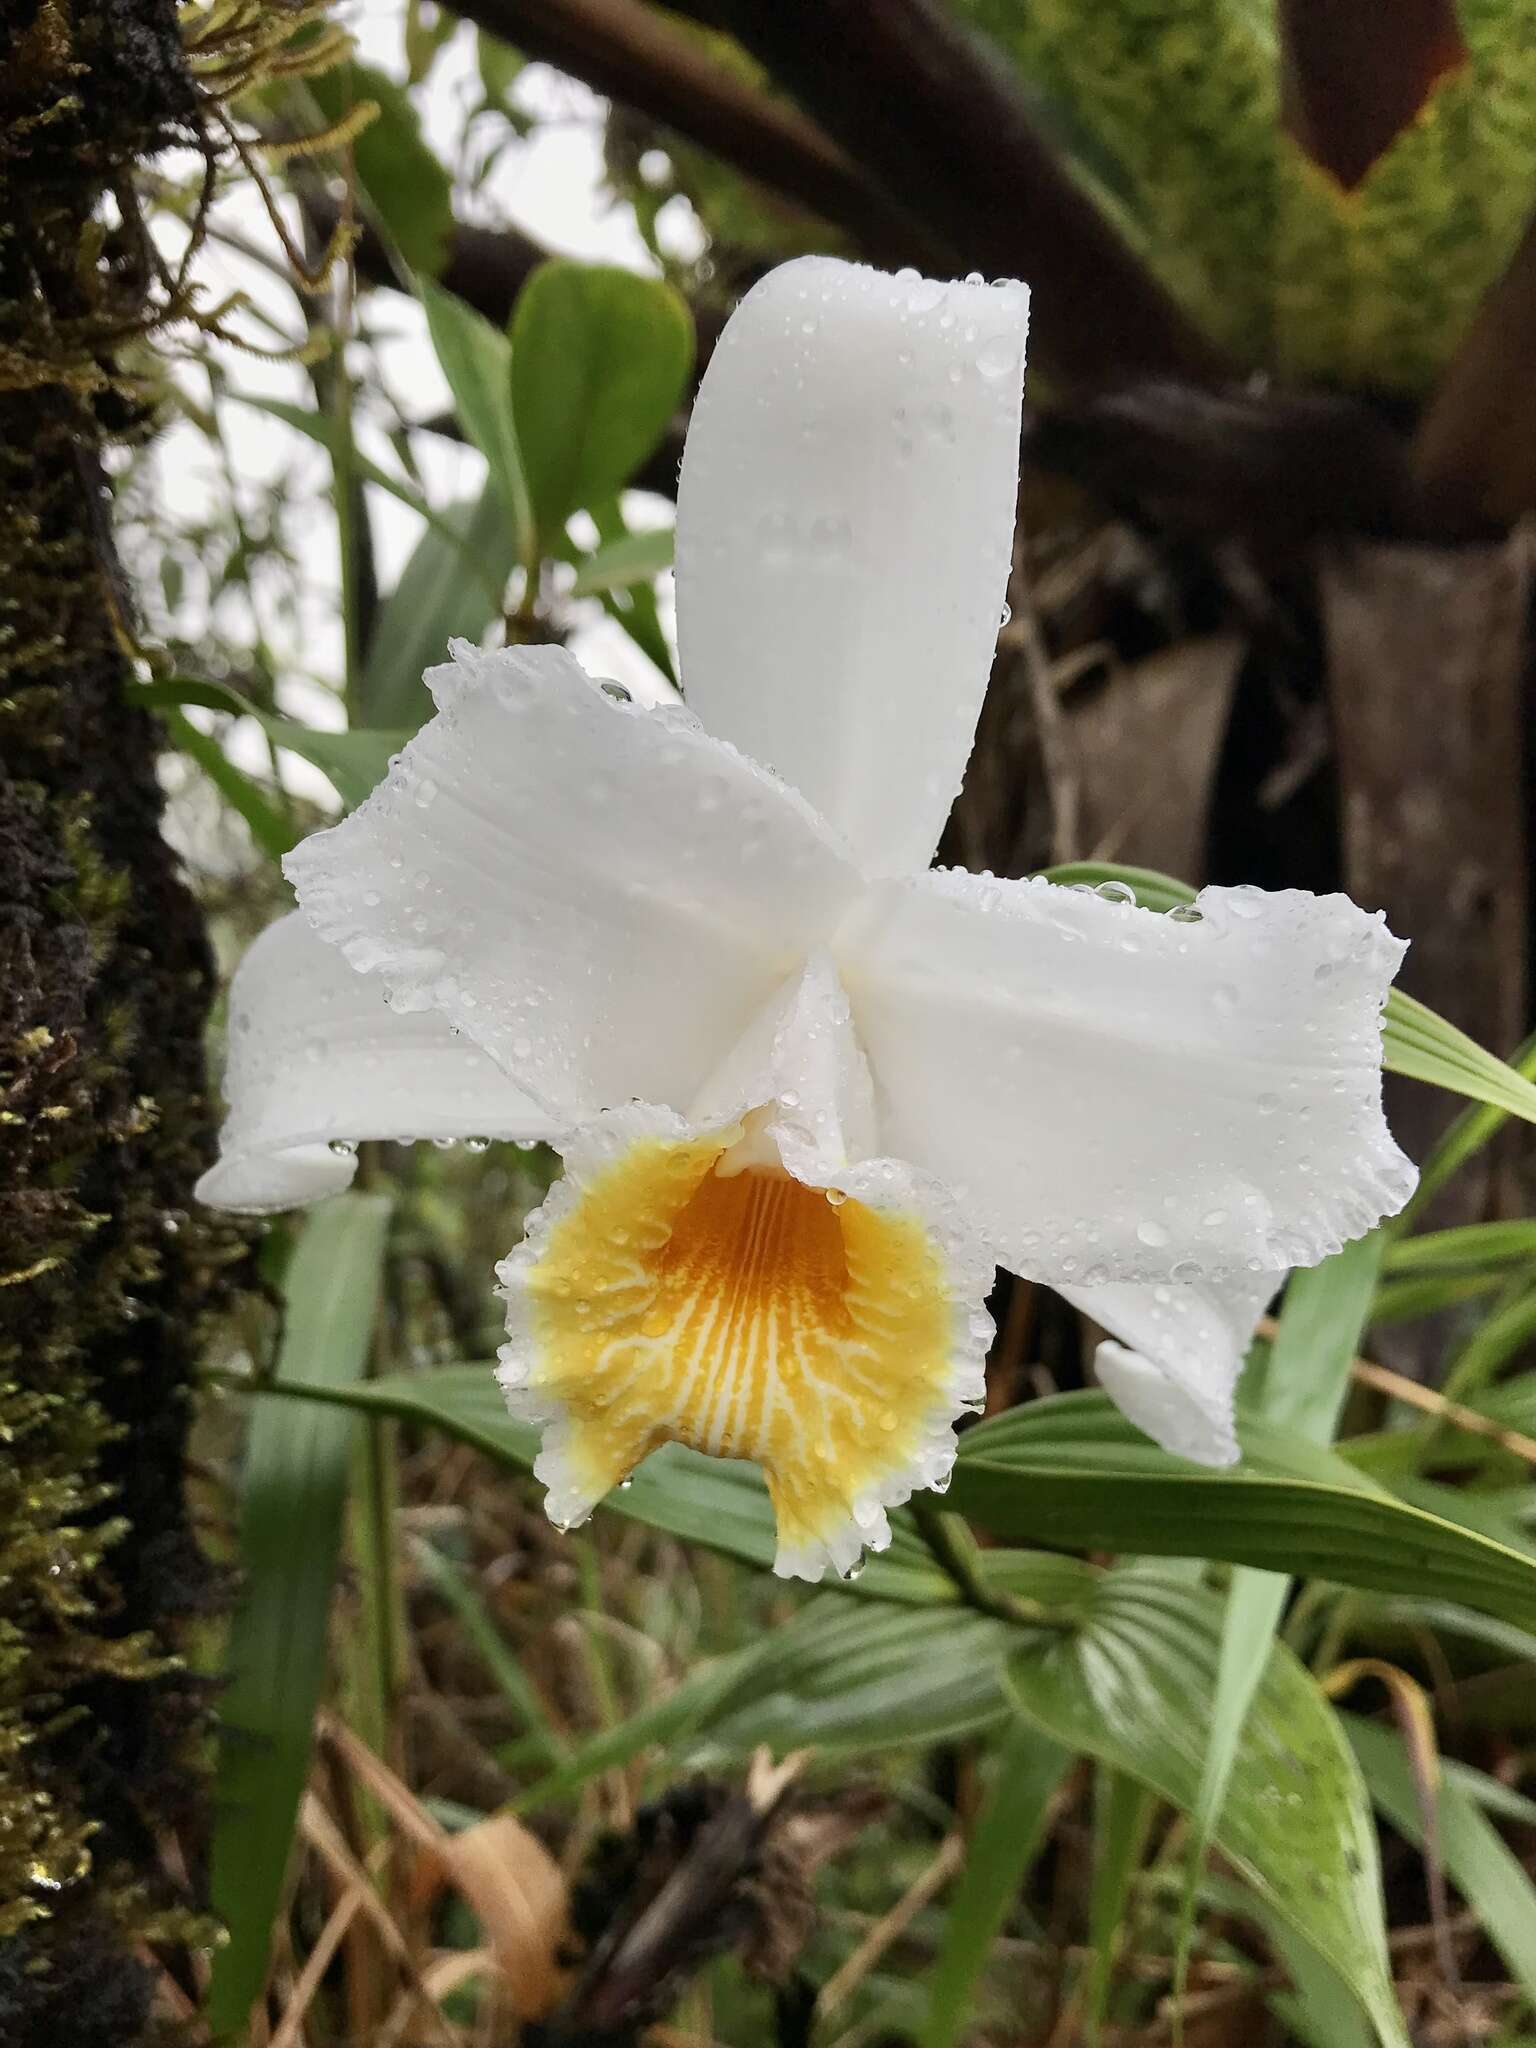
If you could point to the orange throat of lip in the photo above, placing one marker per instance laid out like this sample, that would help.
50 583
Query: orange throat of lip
742 1313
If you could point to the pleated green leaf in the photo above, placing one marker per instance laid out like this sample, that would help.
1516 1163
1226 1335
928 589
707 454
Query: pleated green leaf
1132 1687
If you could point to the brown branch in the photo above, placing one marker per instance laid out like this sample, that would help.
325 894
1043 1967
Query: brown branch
928 109
630 53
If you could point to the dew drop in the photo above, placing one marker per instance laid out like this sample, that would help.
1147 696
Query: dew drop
1151 1233
342 1148
997 357
616 691
477 1144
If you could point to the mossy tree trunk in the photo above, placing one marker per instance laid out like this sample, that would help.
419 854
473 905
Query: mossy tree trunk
105 982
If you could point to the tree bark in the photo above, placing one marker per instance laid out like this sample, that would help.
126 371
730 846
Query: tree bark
105 984
1427 661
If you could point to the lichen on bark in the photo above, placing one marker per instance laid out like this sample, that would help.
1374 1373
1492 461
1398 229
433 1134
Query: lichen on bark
105 982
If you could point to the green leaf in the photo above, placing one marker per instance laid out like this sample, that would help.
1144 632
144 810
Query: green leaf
1132 1689
356 762
268 827
1303 1385
1487 1874
1415 1040
1470 1248
437 599
1465 1137
849 1679
633 558
455 1589
1007 1838
476 359
1122 1819
1070 1471
292 1496
600 362
716 1502
500 66
404 187
327 432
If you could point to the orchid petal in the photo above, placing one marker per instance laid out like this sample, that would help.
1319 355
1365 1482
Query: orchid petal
844 532
1180 1349
1120 1095
317 1062
598 895
742 1284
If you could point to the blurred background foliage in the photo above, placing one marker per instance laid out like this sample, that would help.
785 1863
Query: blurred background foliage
1106 1748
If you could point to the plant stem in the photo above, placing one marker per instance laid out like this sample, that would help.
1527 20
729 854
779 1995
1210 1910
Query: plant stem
955 1551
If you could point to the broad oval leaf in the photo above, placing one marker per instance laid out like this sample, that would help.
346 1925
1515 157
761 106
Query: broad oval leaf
404 187
1132 1687
600 361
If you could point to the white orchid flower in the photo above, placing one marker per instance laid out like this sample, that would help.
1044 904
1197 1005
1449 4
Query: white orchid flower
809 1093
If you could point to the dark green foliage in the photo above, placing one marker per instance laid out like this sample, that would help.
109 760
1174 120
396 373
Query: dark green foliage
104 987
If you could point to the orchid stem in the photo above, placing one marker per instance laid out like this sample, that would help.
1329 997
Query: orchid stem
958 1555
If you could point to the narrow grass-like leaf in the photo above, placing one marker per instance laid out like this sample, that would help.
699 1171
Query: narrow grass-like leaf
439 596
1499 1337
1007 1838
1465 1137
476 359
268 827
292 1495
1489 1876
1122 1818
1470 1248
1069 1472
1304 1381
450 1584
716 1502
632 558
1132 1688
356 762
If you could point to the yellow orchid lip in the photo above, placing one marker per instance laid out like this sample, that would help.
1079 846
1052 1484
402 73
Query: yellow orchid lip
678 1296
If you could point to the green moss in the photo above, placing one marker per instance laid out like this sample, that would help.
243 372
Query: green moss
105 982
